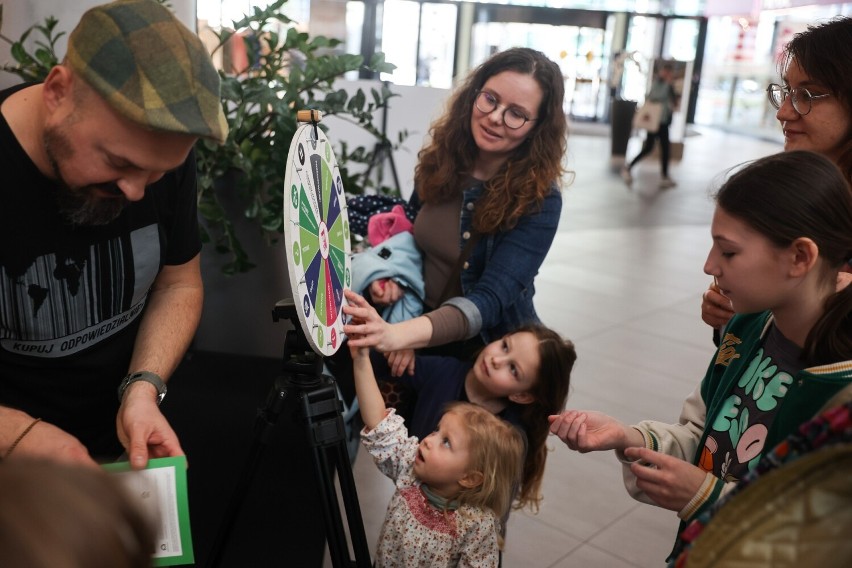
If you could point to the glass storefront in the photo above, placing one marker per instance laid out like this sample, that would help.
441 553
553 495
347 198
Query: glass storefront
742 59
580 52
605 48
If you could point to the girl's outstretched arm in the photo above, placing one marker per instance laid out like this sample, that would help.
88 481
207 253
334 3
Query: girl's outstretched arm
590 431
370 399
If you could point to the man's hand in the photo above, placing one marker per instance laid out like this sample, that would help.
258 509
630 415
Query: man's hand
142 429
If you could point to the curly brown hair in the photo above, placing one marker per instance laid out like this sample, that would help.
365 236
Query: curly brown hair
526 177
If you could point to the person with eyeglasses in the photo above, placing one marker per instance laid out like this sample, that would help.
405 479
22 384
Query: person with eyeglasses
490 176
814 102
662 91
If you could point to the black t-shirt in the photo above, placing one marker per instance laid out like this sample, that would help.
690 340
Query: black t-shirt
71 298
737 437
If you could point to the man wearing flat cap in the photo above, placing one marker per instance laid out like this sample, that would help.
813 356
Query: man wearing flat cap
100 286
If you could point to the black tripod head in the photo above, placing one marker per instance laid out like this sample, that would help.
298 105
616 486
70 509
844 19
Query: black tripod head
301 362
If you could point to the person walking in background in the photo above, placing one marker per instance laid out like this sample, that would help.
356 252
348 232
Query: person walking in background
784 355
814 105
99 242
663 92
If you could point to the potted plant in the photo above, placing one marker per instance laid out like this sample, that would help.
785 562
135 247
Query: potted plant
285 71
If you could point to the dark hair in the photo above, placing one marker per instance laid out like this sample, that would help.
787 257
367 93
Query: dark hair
824 52
55 514
525 179
798 194
549 392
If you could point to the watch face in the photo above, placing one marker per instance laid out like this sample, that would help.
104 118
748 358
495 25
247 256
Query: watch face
146 376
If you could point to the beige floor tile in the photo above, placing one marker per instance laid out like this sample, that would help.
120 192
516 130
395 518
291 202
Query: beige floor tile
588 556
644 536
532 544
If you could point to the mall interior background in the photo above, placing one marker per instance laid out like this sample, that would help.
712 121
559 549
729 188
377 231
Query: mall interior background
730 47
605 47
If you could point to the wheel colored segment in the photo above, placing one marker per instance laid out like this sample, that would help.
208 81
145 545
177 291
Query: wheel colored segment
316 228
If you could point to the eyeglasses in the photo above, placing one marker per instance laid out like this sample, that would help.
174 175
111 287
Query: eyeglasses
801 97
512 117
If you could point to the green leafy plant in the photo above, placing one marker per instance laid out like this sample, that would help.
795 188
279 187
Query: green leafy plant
33 66
286 71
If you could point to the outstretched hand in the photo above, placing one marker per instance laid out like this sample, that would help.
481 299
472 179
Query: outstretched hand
669 481
366 328
591 431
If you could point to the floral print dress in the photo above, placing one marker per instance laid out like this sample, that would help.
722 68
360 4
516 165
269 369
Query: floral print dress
415 533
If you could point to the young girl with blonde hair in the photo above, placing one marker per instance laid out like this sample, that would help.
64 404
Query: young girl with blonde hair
452 487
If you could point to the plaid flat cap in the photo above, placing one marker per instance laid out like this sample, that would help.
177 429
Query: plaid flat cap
149 67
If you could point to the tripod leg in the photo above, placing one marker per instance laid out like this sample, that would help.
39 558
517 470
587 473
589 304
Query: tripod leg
353 510
266 419
393 169
337 546
326 433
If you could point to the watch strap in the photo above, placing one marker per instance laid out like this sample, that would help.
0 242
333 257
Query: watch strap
148 377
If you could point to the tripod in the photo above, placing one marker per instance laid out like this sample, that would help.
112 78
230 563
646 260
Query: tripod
381 151
319 406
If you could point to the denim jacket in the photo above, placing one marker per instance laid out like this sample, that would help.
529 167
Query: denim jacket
497 279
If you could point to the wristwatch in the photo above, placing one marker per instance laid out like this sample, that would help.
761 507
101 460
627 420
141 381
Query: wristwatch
146 376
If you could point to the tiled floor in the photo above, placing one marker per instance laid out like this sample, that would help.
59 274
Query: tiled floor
623 280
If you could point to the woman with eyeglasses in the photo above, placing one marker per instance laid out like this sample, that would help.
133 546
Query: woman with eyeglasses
814 102
490 176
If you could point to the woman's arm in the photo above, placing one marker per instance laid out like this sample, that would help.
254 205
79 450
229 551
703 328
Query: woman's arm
368 329
511 267
508 271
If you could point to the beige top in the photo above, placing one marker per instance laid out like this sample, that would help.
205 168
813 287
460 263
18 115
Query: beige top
436 231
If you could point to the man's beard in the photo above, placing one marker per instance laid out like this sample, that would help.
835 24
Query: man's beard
80 205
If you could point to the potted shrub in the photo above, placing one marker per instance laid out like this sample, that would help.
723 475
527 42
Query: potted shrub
285 72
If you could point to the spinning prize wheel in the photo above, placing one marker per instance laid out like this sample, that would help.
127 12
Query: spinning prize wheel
316 230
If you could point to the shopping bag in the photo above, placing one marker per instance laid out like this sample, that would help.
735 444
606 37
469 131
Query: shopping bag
648 117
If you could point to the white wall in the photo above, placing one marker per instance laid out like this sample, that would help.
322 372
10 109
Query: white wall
414 110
